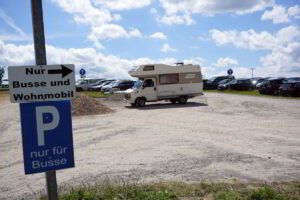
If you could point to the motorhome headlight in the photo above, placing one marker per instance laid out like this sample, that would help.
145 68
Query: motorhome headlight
127 96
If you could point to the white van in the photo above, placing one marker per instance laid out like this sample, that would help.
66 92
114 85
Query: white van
84 84
164 82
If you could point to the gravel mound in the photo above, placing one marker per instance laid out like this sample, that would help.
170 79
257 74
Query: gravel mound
84 105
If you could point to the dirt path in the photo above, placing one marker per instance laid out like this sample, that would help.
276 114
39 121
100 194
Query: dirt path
213 138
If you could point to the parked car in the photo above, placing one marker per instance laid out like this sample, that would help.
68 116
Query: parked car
5 84
225 86
293 79
255 81
121 86
237 84
271 86
99 86
261 82
83 85
107 87
290 89
90 87
213 83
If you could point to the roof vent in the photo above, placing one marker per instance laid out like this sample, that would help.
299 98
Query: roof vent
179 63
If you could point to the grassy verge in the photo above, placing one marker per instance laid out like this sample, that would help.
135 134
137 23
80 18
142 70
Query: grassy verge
183 191
96 94
249 92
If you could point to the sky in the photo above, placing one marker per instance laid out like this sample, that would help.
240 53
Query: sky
109 37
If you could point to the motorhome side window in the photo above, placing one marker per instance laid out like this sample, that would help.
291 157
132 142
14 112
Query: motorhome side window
168 79
148 68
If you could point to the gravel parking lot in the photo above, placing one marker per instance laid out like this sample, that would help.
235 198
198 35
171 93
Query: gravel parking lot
216 137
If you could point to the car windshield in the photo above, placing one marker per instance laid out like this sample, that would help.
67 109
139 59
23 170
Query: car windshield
212 79
294 79
138 84
223 81
115 83
4 82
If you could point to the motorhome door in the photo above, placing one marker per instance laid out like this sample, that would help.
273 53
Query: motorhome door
149 89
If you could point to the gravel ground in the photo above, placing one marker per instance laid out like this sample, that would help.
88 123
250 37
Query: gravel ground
217 137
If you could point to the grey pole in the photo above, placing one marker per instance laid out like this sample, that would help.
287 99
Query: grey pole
252 71
40 59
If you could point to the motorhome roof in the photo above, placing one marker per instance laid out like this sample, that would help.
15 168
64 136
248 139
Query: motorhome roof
156 69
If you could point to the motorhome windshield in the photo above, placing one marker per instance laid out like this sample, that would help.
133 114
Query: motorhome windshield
138 84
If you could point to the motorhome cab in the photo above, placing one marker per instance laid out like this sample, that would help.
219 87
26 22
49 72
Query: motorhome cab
164 82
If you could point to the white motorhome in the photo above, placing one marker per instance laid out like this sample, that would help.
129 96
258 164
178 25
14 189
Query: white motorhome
164 82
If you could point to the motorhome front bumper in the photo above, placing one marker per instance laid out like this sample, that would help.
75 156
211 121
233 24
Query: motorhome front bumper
127 96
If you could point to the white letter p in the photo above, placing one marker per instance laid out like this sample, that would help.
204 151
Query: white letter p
41 127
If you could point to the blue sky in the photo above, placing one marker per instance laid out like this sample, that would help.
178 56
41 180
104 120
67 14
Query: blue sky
108 37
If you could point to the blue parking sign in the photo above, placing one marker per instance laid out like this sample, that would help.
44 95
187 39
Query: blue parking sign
47 136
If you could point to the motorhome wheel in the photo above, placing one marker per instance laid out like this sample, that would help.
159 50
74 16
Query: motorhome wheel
182 99
140 102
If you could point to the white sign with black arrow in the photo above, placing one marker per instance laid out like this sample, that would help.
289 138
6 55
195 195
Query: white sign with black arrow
41 83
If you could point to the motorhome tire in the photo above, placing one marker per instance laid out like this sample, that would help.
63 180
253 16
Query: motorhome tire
182 99
173 101
140 102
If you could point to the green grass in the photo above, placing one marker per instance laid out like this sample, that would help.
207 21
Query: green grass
248 92
95 94
177 190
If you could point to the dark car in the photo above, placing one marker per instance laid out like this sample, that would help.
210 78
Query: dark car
119 85
100 85
90 88
290 89
271 86
224 86
240 84
261 82
124 85
293 79
255 81
213 83
4 85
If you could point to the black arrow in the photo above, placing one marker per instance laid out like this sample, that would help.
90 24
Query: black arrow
64 71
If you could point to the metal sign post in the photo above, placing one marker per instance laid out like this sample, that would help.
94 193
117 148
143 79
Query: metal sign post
40 59
229 72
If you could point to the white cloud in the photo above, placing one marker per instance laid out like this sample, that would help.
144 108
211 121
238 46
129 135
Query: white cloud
175 19
280 14
167 48
84 12
294 11
287 34
96 63
179 12
110 31
158 35
97 14
123 4
284 59
226 62
211 7
253 40
245 39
